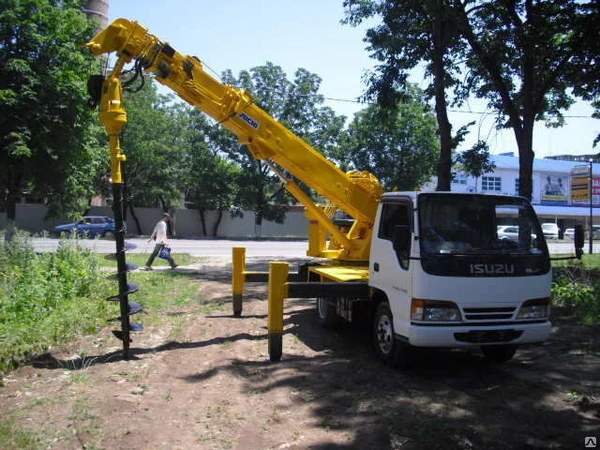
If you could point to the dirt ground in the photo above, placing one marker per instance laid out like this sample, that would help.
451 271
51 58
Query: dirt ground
207 382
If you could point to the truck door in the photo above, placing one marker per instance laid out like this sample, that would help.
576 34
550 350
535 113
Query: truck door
389 269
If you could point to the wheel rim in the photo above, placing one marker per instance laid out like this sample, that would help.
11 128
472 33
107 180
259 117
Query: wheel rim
384 334
322 307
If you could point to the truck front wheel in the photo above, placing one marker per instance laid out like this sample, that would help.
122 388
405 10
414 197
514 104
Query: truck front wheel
326 313
498 353
391 351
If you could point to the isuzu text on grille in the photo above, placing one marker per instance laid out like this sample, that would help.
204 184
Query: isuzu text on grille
478 269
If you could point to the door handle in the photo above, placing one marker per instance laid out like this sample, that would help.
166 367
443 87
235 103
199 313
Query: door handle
376 267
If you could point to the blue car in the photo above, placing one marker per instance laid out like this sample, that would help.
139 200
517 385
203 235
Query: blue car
89 226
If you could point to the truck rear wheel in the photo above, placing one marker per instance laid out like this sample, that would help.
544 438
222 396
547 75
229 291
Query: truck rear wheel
391 351
326 314
498 353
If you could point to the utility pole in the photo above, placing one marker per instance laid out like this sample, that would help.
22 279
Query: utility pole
591 183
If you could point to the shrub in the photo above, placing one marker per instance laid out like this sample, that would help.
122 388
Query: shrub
48 298
577 291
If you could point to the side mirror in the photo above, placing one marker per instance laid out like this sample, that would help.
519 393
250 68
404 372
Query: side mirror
401 238
579 240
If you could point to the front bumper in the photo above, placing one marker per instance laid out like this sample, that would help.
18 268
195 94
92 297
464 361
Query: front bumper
472 335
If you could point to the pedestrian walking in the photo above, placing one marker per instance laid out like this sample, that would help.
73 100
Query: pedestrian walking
159 236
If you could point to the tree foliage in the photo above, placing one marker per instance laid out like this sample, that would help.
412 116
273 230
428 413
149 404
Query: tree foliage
476 160
584 68
211 178
524 57
153 141
175 152
413 33
400 148
48 145
297 105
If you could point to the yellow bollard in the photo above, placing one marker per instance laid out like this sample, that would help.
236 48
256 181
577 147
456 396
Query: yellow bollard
278 275
237 282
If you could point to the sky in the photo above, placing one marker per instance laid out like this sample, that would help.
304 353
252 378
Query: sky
239 35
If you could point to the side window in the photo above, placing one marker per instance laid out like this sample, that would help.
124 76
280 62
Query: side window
393 214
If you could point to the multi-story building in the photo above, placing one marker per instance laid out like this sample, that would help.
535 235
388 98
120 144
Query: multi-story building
560 191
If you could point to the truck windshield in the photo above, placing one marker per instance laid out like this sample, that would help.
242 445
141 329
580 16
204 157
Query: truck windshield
475 235
475 224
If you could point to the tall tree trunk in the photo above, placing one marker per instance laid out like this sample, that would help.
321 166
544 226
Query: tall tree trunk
202 214
524 137
217 223
444 167
522 127
11 198
11 215
136 219
258 219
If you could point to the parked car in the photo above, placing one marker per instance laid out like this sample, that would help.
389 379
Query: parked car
596 231
510 232
550 230
569 233
89 226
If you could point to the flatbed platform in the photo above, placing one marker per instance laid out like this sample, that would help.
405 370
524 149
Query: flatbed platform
342 273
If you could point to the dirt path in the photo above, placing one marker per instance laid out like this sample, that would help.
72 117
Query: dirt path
206 382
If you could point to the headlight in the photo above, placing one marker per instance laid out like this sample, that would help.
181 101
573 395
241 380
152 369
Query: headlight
434 311
538 308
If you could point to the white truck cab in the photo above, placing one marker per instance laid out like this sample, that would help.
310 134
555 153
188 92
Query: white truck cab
449 281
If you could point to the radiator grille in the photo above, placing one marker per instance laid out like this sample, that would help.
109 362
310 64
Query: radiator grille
489 313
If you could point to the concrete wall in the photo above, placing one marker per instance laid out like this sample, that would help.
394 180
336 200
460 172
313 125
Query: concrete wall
186 222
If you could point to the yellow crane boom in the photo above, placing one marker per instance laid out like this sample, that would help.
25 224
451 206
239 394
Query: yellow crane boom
356 193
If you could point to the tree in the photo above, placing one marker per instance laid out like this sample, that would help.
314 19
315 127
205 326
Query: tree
212 180
400 149
297 105
48 143
327 136
153 141
523 59
476 161
584 68
410 33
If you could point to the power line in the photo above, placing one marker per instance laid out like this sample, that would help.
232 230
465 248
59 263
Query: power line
459 111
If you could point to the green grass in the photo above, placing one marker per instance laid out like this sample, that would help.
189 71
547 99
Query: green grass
13 436
49 299
182 259
576 288
588 262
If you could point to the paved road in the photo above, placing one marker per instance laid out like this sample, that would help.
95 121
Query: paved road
218 248
566 247
222 248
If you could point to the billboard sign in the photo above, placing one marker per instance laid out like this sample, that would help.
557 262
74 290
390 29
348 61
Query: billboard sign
580 187
554 190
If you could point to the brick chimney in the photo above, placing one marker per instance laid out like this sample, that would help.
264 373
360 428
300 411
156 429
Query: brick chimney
97 10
